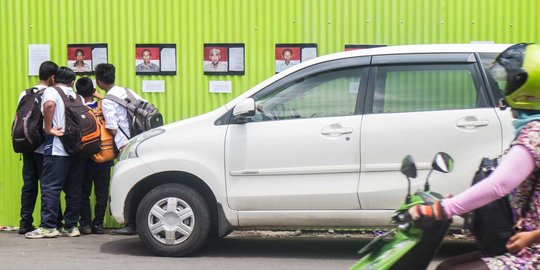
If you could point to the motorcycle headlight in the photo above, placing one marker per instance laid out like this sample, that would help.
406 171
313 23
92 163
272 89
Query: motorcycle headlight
130 149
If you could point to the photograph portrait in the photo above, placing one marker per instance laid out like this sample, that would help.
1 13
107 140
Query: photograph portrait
216 59
80 59
288 55
147 59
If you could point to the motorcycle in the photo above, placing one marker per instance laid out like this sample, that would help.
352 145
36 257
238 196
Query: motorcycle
412 244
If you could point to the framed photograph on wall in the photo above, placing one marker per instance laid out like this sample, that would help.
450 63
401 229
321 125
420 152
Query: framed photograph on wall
224 59
352 47
83 58
155 59
288 55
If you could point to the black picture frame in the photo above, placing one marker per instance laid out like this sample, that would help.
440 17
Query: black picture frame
235 63
94 54
158 50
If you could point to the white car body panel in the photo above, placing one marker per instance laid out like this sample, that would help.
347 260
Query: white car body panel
274 165
387 138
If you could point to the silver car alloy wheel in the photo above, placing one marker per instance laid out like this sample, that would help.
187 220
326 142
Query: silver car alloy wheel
171 221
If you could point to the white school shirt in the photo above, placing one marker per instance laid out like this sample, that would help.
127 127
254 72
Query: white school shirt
39 150
53 145
116 116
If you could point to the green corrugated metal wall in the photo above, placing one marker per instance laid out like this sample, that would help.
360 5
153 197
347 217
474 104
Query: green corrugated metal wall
260 24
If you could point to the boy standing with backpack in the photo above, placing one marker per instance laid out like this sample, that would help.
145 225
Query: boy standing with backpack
97 173
116 116
60 171
33 161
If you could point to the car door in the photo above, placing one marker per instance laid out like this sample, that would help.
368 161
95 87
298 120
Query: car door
301 150
420 104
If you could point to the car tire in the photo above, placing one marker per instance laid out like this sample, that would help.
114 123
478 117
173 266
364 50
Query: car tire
173 220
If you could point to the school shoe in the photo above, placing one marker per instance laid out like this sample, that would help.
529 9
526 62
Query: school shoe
85 229
97 229
127 230
23 228
71 232
42 233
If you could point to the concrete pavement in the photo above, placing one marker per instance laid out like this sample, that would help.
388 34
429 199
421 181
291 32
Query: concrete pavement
238 251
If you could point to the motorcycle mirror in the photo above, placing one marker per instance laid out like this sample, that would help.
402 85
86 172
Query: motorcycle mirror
408 168
443 162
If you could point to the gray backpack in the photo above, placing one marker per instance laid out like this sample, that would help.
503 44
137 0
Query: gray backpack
142 115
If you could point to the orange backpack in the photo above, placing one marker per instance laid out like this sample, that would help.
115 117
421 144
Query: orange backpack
106 152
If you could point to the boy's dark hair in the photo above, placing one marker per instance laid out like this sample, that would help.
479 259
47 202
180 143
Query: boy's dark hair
105 73
64 75
85 87
47 69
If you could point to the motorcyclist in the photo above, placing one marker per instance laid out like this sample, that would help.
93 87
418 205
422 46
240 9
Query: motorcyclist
519 66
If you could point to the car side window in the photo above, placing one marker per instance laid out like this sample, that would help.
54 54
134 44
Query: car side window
325 94
408 88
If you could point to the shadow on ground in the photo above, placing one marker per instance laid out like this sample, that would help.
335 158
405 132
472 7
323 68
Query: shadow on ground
308 248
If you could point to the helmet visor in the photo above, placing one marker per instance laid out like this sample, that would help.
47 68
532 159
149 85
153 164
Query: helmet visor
498 73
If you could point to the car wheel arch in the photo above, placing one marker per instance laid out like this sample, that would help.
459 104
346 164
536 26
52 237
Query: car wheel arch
137 193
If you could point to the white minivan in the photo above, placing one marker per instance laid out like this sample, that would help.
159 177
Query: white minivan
318 145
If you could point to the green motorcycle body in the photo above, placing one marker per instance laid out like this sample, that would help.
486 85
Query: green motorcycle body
408 247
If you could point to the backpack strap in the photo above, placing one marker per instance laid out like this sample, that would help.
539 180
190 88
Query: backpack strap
30 90
67 98
131 96
124 102
63 95
117 100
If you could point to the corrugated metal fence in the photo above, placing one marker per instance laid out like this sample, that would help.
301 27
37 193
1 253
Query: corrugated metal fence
259 24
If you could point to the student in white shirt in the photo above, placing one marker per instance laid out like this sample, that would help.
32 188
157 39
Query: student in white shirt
116 116
33 162
60 171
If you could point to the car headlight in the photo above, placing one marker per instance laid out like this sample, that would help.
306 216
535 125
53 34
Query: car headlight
130 149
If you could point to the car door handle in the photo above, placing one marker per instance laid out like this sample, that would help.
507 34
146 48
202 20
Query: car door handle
477 123
336 131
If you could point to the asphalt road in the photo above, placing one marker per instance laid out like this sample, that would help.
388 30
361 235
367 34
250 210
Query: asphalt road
103 252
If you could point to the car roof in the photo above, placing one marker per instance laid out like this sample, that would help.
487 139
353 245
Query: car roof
430 48
389 50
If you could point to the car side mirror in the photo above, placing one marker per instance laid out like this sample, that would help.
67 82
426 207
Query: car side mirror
244 109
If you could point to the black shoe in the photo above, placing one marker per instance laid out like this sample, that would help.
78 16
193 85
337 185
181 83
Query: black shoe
127 230
97 229
85 229
23 229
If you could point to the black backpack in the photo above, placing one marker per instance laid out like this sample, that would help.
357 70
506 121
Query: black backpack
493 224
27 128
142 115
82 135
